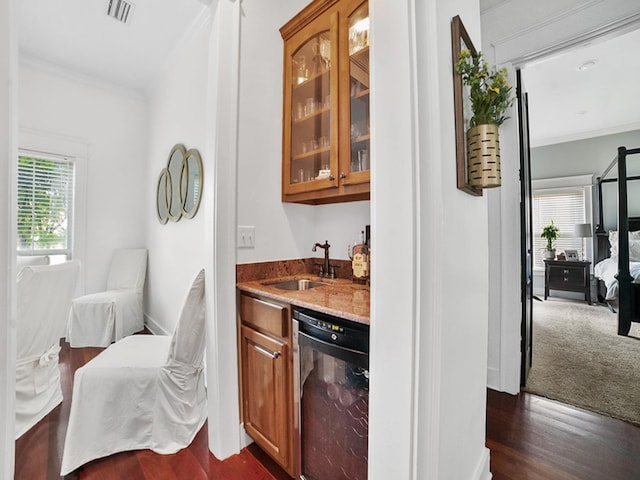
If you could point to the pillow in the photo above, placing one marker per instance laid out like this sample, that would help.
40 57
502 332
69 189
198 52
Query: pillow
613 241
634 250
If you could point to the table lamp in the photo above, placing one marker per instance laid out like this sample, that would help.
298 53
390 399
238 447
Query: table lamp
582 231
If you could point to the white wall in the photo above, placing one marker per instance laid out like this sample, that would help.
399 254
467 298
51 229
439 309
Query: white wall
453 225
283 230
177 114
113 126
591 157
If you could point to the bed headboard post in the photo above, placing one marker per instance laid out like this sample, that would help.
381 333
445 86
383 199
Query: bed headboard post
600 226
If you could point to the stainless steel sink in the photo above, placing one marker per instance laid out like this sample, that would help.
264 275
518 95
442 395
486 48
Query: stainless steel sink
302 284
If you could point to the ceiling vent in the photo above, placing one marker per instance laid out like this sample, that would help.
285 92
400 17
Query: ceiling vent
121 10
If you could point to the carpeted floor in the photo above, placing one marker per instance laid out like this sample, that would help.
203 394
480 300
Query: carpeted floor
579 359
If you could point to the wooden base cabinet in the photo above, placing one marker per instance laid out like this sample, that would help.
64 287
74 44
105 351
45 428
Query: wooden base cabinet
266 377
326 139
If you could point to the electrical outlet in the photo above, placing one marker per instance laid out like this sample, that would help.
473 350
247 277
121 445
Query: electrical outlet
247 237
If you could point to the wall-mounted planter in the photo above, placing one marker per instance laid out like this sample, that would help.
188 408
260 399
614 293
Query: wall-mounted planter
483 156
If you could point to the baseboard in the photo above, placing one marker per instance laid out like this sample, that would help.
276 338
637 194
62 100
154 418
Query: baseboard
493 379
153 326
245 439
483 471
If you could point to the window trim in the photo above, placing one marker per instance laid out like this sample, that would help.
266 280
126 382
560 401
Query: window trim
563 185
38 142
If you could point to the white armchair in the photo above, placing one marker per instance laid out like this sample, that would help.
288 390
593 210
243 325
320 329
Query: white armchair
44 296
98 319
145 391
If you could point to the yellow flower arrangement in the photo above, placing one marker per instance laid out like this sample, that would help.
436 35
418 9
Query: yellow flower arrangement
490 94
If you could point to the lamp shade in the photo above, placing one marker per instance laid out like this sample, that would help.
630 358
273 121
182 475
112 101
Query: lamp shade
582 230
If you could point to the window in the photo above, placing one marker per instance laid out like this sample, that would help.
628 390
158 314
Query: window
45 204
566 206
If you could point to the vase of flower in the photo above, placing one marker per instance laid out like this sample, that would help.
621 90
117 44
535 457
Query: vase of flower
490 96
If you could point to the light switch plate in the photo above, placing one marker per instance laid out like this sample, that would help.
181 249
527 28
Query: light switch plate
246 237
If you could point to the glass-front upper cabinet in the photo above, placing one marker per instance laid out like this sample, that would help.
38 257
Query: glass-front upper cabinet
358 87
326 103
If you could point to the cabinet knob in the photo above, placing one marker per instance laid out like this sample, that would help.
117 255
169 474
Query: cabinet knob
332 178
343 175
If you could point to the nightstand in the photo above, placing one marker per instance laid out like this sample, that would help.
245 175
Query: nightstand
570 276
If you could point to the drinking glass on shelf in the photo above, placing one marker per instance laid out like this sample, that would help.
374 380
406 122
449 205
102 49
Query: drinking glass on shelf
363 159
302 72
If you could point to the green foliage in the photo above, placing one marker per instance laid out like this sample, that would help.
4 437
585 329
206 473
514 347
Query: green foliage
490 94
42 205
551 233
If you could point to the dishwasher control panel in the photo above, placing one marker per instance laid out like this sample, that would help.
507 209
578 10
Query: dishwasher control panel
334 330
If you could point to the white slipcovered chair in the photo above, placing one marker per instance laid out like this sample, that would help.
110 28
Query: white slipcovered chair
97 319
44 296
23 261
142 392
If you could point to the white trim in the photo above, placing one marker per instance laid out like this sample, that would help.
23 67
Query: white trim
393 421
54 69
153 326
8 152
483 471
562 182
220 213
572 137
563 15
428 242
49 143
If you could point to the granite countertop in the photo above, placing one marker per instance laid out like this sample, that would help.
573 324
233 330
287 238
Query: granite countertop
339 297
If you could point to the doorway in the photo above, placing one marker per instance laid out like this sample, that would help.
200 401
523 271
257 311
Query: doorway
572 128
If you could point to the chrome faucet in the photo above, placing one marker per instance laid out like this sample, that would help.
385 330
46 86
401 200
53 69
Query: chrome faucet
326 269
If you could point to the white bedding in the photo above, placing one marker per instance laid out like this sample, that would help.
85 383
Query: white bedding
606 271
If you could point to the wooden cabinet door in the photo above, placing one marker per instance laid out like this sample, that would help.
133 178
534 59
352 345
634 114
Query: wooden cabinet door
266 384
354 87
310 145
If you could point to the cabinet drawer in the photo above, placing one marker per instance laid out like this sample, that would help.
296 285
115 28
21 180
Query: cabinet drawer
566 276
266 316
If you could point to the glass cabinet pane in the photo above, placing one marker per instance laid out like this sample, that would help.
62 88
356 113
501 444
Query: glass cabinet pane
359 88
310 105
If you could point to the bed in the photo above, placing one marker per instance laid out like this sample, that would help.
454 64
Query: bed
618 252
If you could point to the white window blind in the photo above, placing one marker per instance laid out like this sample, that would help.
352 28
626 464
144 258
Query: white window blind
45 204
566 208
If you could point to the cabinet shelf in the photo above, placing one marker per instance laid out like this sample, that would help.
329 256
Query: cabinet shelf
311 116
310 82
361 94
312 153
361 138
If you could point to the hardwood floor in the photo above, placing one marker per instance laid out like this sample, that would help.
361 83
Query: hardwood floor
39 451
534 438
529 437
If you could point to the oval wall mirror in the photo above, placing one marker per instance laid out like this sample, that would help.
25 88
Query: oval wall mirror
191 183
163 195
174 167
180 185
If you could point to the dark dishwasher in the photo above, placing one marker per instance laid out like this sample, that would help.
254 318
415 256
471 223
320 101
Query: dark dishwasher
332 359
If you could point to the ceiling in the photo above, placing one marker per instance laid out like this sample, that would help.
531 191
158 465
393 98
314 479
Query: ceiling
549 40
586 92
77 36
565 103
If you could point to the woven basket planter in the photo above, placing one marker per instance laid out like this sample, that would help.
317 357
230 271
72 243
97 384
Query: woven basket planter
483 156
